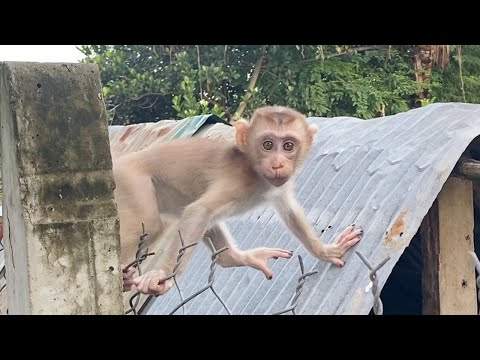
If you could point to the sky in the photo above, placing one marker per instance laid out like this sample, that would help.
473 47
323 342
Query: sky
40 53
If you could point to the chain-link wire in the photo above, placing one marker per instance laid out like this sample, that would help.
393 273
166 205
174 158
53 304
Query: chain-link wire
3 271
211 279
3 275
377 302
140 256
477 266
181 254
298 290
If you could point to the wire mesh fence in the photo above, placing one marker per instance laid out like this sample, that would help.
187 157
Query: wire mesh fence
298 290
142 255
3 281
295 299
377 302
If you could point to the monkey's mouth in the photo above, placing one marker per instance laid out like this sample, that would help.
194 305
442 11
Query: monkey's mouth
277 181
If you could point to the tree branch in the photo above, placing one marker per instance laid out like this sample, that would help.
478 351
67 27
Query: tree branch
199 69
352 50
360 48
149 94
460 65
251 84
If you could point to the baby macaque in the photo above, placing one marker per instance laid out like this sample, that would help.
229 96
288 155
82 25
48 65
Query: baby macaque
194 184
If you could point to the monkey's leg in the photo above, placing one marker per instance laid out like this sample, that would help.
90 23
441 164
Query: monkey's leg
256 258
193 225
137 203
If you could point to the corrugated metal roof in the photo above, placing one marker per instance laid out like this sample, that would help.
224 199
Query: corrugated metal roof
382 174
129 138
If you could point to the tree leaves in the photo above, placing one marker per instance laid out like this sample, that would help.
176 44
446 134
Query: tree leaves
153 82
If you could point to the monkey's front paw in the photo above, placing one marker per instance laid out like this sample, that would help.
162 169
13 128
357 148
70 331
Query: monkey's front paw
128 278
148 283
345 241
257 258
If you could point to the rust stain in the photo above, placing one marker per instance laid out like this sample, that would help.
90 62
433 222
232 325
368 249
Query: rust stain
126 134
394 236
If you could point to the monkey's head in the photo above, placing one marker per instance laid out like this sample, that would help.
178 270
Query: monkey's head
277 141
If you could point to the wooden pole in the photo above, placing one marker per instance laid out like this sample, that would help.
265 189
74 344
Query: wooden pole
467 168
447 237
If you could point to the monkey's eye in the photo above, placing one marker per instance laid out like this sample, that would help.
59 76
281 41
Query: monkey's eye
268 145
288 146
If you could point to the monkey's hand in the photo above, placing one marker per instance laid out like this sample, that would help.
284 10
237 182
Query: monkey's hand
148 283
258 258
128 278
333 252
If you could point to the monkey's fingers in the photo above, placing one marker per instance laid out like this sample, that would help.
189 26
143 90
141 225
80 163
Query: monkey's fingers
152 287
266 271
347 231
337 261
348 244
278 253
339 249
130 272
148 283
260 263
127 285
342 239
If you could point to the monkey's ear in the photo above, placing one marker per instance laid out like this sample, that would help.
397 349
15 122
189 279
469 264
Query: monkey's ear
312 129
241 128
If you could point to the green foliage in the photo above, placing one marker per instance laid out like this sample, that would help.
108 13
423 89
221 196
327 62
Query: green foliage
446 84
155 82
361 85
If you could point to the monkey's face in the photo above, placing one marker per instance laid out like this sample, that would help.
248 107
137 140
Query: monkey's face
277 142
276 157
279 151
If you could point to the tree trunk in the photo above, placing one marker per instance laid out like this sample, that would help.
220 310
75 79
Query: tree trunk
423 69
251 84
426 56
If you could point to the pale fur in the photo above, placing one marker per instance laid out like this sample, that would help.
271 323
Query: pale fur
193 184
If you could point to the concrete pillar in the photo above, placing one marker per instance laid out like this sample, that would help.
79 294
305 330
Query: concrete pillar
61 229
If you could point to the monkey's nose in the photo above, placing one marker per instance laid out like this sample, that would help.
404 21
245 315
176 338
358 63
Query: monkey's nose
277 167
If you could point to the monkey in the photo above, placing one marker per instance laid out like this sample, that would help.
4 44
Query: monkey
193 185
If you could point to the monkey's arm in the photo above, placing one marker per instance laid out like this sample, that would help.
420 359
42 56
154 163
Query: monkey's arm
294 217
255 258
193 225
194 222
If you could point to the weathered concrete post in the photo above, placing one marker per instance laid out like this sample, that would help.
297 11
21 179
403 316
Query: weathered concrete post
61 229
